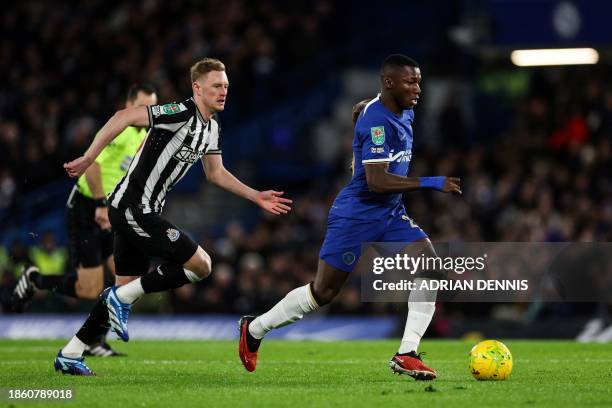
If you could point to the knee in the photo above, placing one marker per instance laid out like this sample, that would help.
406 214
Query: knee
203 265
323 294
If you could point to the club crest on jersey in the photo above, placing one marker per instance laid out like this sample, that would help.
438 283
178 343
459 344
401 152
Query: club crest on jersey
173 234
187 154
378 135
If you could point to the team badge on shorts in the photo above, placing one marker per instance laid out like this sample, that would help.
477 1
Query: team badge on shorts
348 258
173 234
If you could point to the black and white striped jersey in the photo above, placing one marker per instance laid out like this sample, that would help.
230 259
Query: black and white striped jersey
178 137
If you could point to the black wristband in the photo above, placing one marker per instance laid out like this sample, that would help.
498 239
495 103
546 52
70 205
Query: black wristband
100 202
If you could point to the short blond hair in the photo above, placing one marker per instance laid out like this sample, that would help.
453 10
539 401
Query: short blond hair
204 66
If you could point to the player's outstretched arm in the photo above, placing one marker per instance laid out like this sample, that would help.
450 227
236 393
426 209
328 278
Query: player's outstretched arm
270 200
381 181
138 116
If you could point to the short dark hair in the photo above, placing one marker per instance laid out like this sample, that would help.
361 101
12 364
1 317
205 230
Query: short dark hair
144 87
397 61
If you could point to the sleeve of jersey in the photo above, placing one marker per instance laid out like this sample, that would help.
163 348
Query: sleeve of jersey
170 116
375 142
215 138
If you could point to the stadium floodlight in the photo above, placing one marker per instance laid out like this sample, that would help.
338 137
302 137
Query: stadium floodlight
559 56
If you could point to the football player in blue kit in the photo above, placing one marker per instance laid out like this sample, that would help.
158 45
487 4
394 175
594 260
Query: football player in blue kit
368 209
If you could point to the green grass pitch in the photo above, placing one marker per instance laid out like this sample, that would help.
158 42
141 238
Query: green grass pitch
175 374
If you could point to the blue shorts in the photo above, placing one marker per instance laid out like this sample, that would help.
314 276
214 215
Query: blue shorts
342 246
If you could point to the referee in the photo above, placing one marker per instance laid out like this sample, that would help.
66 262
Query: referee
89 229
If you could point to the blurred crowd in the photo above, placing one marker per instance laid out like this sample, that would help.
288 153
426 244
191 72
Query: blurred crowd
546 177
55 58
543 173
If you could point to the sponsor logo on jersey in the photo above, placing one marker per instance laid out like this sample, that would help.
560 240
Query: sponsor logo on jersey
401 156
376 150
187 154
378 135
156 110
173 234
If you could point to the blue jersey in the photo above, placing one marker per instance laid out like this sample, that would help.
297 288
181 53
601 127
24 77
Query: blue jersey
380 136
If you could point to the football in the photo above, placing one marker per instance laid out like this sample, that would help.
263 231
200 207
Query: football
490 360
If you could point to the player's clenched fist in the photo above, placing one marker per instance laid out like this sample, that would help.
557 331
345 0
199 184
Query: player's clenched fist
78 166
442 183
452 185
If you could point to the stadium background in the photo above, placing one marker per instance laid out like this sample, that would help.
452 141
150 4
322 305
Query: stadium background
532 145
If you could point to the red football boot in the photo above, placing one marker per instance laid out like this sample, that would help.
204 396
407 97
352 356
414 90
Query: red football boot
248 346
412 365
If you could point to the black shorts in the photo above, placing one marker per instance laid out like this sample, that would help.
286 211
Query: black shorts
140 237
88 244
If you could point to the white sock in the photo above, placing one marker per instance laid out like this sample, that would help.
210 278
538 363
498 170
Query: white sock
192 276
421 308
74 348
130 292
291 308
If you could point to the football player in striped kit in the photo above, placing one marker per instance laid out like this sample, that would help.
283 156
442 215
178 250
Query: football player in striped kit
180 134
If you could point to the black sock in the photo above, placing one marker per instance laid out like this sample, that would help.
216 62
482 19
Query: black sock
96 324
101 338
172 276
63 284
252 342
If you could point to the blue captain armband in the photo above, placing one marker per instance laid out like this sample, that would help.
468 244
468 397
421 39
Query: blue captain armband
437 183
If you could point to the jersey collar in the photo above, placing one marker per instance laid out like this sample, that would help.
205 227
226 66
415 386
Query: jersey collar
200 116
